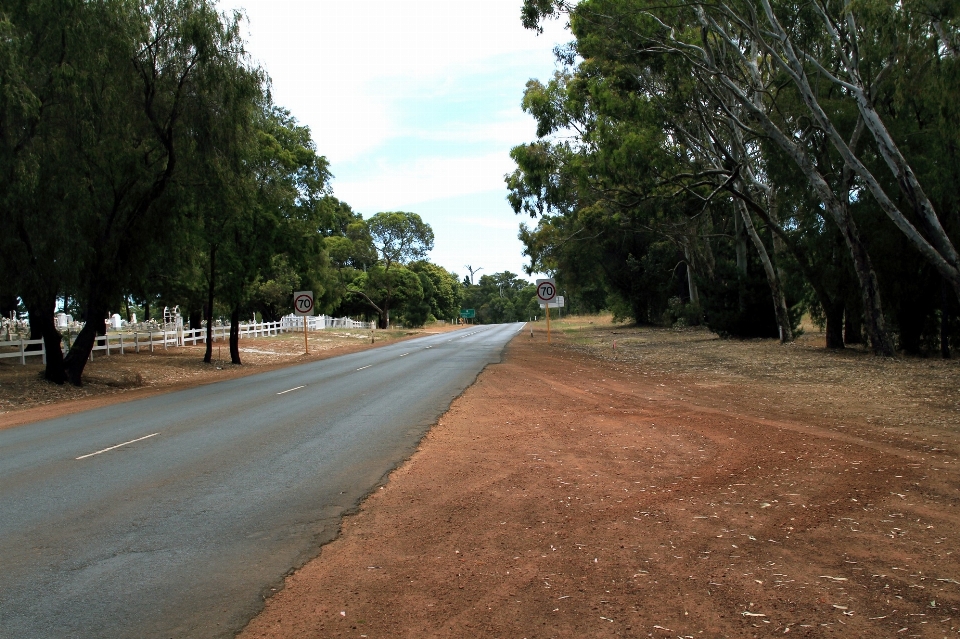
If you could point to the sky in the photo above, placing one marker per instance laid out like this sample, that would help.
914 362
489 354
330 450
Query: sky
415 104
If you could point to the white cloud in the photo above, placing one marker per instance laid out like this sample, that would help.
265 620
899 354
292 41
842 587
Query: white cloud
341 66
390 187
507 131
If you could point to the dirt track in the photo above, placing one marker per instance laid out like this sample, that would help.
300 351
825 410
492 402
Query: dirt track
680 487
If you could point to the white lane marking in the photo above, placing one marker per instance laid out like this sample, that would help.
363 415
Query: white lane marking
405 354
363 367
429 346
139 439
290 390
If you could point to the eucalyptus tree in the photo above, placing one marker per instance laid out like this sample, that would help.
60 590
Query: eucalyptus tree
595 178
443 291
398 237
744 57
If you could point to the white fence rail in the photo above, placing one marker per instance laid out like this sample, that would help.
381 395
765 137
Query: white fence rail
22 352
320 322
120 343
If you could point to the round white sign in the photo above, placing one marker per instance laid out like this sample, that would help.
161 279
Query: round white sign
303 302
546 290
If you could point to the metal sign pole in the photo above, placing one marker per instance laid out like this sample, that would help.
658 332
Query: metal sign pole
306 345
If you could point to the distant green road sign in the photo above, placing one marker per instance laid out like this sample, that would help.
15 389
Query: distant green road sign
468 313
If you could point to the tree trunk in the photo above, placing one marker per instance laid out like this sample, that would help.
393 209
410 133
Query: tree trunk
692 288
773 279
235 336
939 251
879 335
208 354
852 327
740 244
80 350
43 326
834 315
740 240
146 309
880 339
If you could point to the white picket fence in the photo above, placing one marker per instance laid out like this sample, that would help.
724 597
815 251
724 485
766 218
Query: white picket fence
120 343
222 333
320 322
115 343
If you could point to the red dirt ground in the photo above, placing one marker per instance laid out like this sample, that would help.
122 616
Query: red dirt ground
681 486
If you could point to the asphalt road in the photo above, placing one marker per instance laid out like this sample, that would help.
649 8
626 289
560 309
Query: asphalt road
223 490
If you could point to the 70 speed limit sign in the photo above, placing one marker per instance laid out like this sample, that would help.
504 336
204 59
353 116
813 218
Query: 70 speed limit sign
546 290
303 302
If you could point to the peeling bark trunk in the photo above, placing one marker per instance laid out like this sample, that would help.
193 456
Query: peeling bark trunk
877 331
939 251
880 339
740 240
692 289
773 280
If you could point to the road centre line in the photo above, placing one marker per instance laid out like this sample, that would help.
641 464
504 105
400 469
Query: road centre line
290 390
139 439
363 367
405 354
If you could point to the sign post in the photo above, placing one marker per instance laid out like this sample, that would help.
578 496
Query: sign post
303 307
546 291
468 313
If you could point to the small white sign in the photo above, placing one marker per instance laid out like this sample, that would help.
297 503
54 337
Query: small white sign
546 290
556 303
303 303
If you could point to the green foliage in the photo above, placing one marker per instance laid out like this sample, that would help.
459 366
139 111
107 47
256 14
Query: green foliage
442 289
679 137
501 298
400 237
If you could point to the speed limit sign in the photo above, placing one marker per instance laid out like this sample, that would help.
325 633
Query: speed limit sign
303 302
546 290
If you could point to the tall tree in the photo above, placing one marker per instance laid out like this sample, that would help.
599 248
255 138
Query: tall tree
398 237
